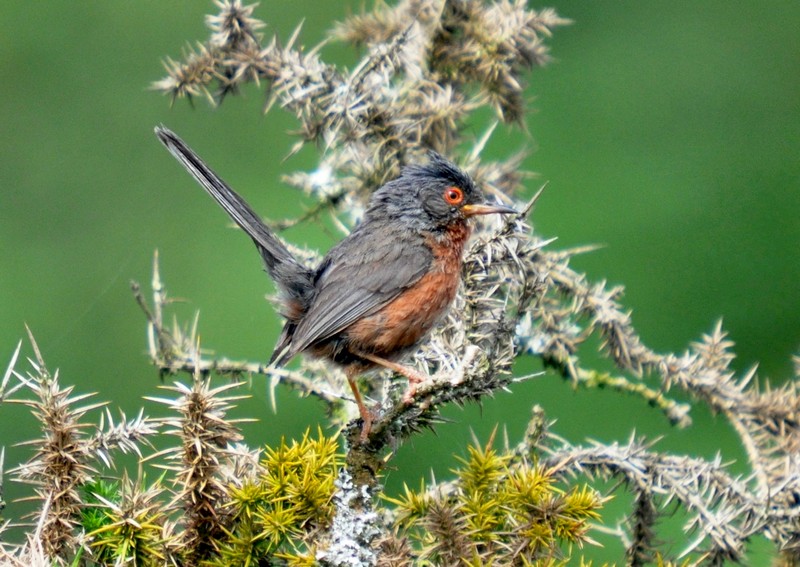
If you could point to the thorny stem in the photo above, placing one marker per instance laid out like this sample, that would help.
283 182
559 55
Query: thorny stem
677 413
173 351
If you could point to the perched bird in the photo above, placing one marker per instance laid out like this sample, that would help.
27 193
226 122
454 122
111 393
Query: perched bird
381 290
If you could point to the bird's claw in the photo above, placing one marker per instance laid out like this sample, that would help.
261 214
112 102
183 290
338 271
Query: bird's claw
414 380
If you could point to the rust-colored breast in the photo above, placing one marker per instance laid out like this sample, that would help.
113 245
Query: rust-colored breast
405 321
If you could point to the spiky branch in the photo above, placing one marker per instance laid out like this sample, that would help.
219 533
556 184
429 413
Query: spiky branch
428 64
65 456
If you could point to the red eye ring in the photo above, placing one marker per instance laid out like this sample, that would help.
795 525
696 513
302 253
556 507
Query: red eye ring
453 196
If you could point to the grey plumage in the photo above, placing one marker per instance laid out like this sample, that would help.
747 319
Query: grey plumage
362 273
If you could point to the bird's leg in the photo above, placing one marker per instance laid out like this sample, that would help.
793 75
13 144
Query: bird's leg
414 378
366 415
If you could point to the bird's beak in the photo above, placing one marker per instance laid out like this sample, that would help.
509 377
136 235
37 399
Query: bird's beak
473 210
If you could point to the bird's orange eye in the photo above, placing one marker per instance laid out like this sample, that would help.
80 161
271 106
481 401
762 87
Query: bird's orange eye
453 195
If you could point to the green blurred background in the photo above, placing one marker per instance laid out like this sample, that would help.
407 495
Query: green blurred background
668 132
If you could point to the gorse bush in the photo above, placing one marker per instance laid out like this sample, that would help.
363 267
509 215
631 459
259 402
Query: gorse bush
219 503
210 499
500 509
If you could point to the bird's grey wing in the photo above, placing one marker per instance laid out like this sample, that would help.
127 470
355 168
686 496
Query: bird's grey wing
355 285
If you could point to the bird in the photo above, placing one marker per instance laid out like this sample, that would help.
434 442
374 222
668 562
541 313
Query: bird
379 292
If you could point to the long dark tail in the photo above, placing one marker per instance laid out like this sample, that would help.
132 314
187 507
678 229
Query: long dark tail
290 275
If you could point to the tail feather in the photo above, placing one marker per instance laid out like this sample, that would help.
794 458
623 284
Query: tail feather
290 275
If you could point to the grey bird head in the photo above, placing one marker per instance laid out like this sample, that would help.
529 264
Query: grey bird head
431 196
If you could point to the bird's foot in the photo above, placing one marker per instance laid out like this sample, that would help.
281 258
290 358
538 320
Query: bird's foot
367 417
414 380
